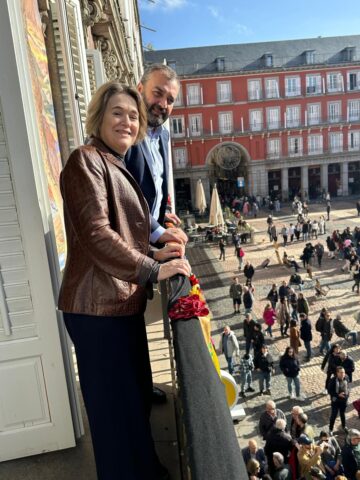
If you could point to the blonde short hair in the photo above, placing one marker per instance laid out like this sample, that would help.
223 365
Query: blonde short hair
98 104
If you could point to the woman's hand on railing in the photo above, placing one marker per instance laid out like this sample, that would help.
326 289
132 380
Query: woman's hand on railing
174 267
171 250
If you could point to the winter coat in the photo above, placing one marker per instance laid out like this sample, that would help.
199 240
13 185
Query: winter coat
277 441
248 328
348 365
232 344
267 422
264 362
248 300
340 329
283 473
269 317
283 291
295 338
283 314
289 366
332 360
273 296
327 329
235 291
302 305
333 390
258 340
249 271
349 461
305 330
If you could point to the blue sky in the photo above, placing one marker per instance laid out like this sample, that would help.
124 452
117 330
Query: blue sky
191 23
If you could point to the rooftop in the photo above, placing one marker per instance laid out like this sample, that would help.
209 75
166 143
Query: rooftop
259 56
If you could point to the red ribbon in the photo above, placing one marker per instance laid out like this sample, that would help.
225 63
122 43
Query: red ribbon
193 280
188 307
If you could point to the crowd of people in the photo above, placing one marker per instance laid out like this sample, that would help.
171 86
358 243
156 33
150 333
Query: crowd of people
292 451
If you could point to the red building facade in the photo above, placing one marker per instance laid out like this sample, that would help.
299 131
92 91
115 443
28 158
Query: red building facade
278 118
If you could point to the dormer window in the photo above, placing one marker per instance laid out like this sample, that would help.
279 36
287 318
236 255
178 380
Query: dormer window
348 54
268 59
309 57
172 64
220 64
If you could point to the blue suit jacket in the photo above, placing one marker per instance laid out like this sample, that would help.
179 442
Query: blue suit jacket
139 163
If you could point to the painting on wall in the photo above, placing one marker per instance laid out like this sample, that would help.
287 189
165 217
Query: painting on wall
45 118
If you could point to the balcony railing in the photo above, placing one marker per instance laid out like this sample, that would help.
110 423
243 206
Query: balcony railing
203 411
309 153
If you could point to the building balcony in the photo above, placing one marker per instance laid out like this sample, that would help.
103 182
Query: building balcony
316 152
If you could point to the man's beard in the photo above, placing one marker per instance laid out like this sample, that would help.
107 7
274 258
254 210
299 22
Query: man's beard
155 120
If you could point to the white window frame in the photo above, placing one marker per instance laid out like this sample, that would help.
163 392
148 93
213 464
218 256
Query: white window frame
353 109
256 124
193 94
313 119
335 142
291 119
295 146
272 87
354 140
293 86
180 157
254 93
224 95
178 132
273 148
179 101
315 144
271 123
356 87
227 126
334 112
195 125
334 82
313 84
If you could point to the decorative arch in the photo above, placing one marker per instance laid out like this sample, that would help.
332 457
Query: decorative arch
227 161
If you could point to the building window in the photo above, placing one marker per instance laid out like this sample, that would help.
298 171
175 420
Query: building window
193 94
293 116
314 114
220 64
225 122
354 140
295 146
177 126
292 86
315 144
336 142
348 54
353 81
334 112
310 57
256 120
254 90
172 64
223 92
179 99
268 59
273 148
335 82
313 84
180 157
271 88
273 117
353 110
195 124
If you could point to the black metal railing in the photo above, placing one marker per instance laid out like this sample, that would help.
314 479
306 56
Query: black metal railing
209 445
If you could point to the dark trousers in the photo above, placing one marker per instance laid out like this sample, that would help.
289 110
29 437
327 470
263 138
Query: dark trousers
337 407
115 379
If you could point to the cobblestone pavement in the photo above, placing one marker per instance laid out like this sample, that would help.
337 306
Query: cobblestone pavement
215 278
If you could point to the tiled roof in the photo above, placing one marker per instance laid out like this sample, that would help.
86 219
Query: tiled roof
252 56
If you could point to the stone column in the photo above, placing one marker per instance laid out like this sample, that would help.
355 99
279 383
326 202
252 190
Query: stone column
285 184
345 178
305 182
324 178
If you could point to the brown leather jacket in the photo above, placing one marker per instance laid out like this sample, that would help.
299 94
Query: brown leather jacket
107 226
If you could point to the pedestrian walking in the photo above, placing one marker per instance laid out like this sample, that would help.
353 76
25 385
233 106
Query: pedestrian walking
273 296
328 209
229 346
293 303
235 293
258 339
339 394
342 331
306 334
290 367
249 272
325 326
319 252
269 317
356 278
264 364
222 249
347 363
332 359
240 254
248 327
268 418
322 225
294 336
283 316
302 304
285 233
246 367
278 440
248 299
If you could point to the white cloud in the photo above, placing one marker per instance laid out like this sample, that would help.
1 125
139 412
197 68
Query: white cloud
243 29
214 11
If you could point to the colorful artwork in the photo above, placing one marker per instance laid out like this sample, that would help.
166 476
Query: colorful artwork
45 116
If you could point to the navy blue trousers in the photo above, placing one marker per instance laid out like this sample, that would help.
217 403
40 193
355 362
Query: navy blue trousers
115 378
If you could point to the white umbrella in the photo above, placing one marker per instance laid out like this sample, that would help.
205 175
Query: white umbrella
200 200
216 214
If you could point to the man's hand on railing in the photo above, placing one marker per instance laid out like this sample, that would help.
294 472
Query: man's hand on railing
173 218
170 250
174 267
173 234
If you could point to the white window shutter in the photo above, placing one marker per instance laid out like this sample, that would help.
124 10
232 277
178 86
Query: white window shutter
96 69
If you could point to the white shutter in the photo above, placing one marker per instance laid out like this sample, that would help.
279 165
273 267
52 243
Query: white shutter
74 78
96 69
